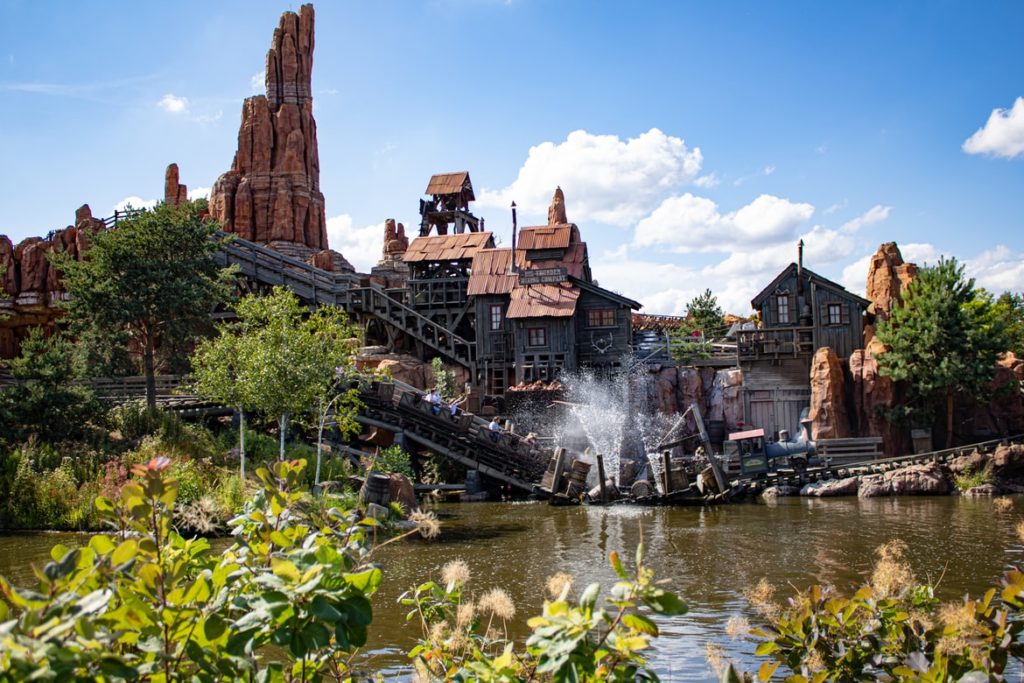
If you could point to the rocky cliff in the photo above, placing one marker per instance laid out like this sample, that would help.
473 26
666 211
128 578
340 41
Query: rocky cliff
272 192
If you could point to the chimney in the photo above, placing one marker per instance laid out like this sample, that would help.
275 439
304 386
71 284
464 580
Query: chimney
514 268
800 267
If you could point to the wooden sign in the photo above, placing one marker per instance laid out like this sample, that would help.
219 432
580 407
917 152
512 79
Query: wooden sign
543 276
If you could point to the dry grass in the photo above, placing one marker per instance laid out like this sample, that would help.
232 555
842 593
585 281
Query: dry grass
762 598
1003 504
558 586
465 614
455 573
737 626
426 523
715 655
497 603
1020 531
892 575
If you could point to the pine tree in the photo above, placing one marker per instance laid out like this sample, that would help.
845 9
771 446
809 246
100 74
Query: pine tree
705 315
942 340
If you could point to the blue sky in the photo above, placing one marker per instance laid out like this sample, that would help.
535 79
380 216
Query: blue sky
695 142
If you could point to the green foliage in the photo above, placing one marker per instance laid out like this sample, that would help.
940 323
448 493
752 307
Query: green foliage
573 640
704 315
155 276
45 400
444 380
970 478
943 340
279 359
145 603
1010 308
391 459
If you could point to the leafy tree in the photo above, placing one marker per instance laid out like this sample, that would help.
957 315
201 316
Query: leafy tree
278 360
1010 308
154 277
45 400
943 340
705 315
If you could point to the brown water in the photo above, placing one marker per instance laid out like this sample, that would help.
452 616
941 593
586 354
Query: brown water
710 555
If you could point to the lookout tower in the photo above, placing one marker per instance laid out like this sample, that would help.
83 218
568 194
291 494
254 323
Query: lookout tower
450 195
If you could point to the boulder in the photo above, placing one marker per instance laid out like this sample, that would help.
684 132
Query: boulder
400 490
725 402
272 192
826 488
972 462
665 384
828 414
985 490
780 491
322 260
927 479
401 367
1008 461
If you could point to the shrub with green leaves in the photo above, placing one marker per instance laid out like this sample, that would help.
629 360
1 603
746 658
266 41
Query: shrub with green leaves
145 603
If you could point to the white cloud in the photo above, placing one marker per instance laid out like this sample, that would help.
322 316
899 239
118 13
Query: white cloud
257 84
997 270
173 104
199 193
361 246
1002 135
768 170
709 180
133 202
688 223
855 275
876 214
836 207
605 179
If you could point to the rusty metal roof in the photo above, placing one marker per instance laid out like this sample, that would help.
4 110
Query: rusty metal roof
543 301
492 272
447 247
548 236
574 260
450 183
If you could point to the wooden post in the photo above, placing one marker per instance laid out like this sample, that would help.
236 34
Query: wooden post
556 479
600 478
666 465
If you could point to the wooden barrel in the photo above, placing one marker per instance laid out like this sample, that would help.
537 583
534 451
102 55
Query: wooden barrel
375 489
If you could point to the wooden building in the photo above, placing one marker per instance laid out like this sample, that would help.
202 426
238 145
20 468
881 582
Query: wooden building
532 311
801 312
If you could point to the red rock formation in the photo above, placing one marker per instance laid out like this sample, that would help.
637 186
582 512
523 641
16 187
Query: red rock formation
65 240
556 212
31 256
272 192
322 260
395 241
829 416
888 277
872 394
391 270
9 268
174 192
1003 415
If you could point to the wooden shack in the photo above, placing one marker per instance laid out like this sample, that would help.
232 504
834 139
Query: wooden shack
532 312
800 312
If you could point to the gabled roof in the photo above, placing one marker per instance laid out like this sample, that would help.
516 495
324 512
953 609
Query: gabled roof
813 278
543 301
492 273
608 294
574 260
450 183
447 247
548 236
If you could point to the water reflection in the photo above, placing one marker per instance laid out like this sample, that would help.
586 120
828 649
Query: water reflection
710 555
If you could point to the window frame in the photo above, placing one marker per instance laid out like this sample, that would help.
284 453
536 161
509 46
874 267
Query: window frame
602 313
838 309
782 309
530 337
496 325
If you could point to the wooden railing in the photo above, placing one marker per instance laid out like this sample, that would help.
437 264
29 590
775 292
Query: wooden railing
775 342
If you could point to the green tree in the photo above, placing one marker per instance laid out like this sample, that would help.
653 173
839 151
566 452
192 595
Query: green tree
705 315
943 340
282 360
1010 307
45 400
154 277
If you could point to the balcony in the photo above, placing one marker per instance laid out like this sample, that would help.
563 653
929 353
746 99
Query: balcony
775 343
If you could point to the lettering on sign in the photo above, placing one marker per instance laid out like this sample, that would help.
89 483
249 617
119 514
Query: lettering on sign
543 276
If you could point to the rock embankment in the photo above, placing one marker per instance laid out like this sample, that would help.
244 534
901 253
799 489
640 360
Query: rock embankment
976 474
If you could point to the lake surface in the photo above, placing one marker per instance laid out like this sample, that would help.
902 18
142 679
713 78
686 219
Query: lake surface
710 555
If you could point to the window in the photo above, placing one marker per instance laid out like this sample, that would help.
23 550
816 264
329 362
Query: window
537 336
601 317
495 316
782 304
835 314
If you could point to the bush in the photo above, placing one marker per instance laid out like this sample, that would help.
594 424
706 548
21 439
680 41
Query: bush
391 459
970 478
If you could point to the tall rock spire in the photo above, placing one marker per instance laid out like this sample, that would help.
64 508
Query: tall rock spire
556 212
272 192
